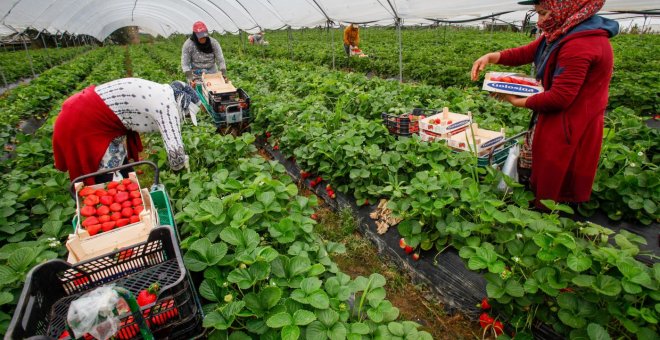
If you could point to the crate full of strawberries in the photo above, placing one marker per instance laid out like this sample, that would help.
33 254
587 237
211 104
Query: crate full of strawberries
109 216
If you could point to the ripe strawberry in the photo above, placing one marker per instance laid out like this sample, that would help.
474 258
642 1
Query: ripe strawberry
415 256
437 121
149 295
122 222
328 187
161 318
484 304
332 195
93 229
106 199
127 204
115 207
92 200
139 172
135 194
116 216
90 220
121 196
485 320
107 226
137 210
276 147
408 249
81 279
104 218
100 192
127 212
112 185
449 122
88 210
267 134
402 243
134 219
103 210
128 329
112 192
132 187
136 202
121 187
366 202
126 181
314 216
86 191
430 127
498 327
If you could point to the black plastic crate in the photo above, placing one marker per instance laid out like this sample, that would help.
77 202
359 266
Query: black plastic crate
403 125
52 286
230 107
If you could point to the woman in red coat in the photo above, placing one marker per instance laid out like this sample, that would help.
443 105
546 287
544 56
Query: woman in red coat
573 59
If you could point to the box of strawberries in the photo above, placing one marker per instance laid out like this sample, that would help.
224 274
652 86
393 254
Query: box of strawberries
109 216
512 83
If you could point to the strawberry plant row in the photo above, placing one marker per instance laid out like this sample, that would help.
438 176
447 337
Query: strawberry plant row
15 65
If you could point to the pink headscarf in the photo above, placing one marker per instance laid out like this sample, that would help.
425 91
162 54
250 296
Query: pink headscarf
566 14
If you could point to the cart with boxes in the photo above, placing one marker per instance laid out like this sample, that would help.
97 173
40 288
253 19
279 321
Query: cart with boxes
228 106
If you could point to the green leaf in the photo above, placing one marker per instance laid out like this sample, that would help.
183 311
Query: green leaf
584 280
303 317
270 296
310 284
570 319
280 320
5 298
21 259
328 317
514 288
319 299
290 332
337 332
215 320
578 262
396 329
7 275
597 332
607 285
232 236
316 330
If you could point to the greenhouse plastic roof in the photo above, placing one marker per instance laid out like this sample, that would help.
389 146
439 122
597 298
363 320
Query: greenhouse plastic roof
99 18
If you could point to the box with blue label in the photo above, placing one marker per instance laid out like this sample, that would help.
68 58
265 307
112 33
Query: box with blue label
512 83
476 140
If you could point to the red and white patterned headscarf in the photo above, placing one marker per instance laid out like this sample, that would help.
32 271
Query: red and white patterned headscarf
566 14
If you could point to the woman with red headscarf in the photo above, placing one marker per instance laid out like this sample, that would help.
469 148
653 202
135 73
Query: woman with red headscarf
573 59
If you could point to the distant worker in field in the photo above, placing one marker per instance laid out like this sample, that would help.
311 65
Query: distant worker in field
98 128
351 38
574 60
201 54
258 38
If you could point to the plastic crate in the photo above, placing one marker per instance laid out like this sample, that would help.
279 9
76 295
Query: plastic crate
52 286
403 125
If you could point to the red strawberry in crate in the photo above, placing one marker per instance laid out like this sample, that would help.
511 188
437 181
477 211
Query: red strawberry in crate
106 200
149 295
100 192
121 187
127 204
126 181
128 329
93 229
132 187
136 202
90 220
122 222
115 216
127 212
121 196
112 185
103 210
135 194
112 192
92 200
115 207
104 218
86 191
88 210
107 226
137 210
134 219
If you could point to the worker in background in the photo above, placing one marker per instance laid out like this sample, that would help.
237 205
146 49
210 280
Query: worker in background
98 128
351 38
258 38
201 54
574 61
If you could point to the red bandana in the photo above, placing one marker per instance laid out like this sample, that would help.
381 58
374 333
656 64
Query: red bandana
566 14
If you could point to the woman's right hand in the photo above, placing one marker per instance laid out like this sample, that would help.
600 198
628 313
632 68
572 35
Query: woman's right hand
481 63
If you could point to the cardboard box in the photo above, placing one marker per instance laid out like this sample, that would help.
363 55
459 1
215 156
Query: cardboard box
430 136
512 83
477 140
445 122
215 83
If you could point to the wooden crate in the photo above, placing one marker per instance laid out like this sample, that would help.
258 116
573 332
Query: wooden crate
445 122
82 246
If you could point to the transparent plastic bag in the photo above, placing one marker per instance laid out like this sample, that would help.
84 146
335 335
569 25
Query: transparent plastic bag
94 313
510 167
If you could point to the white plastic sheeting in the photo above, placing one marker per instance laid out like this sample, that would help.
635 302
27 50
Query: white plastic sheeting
99 18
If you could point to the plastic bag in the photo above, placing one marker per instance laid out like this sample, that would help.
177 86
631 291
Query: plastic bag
510 167
93 313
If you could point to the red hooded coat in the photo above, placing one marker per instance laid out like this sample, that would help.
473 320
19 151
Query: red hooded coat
569 131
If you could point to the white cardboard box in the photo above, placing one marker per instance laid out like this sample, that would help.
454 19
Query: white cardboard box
512 83
445 122
476 140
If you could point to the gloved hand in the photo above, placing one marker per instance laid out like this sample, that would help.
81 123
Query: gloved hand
198 71
189 76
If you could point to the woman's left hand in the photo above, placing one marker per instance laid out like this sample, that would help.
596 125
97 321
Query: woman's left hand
513 99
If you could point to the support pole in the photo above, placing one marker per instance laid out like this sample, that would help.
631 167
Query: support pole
43 41
29 59
290 41
333 46
4 80
398 29
57 47
492 27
